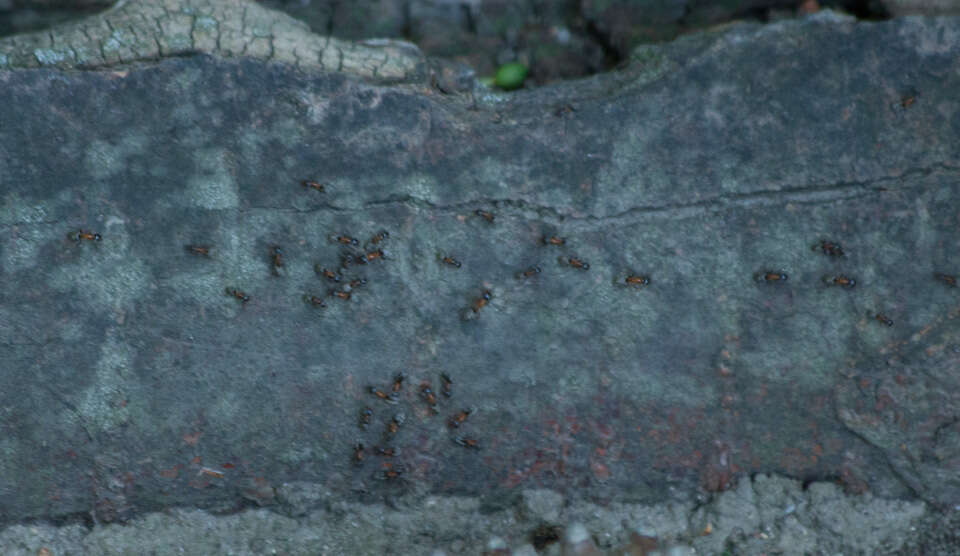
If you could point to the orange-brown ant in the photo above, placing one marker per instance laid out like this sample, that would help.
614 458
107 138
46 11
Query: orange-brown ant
482 301
313 185
394 425
575 262
203 250
828 248
351 259
387 452
328 274
390 474
839 280
276 255
770 277
389 398
447 384
637 280
342 294
882 319
450 261
908 101
358 453
380 236
356 283
459 418
467 442
315 301
344 240
427 394
234 292
530 272
398 381
81 235
554 240
488 216
366 416
378 254
946 279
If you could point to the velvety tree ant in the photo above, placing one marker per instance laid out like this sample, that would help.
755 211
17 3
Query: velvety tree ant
770 277
575 262
488 216
882 319
202 250
467 442
313 185
554 240
839 280
81 235
530 272
637 280
389 398
315 301
447 384
482 301
828 248
366 417
234 292
459 418
946 279
450 261
328 274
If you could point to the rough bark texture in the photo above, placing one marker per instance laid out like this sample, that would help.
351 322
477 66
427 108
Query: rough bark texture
134 382
147 30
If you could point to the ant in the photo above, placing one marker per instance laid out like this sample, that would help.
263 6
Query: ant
770 277
350 259
829 248
81 235
459 418
488 216
387 452
380 236
315 301
467 442
946 279
427 394
394 425
564 110
328 274
234 292
881 318
276 255
356 283
344 240
450 261
447 384
390 474
840 280
378 254
342 294
358 453
366 416
398 381
530 272
482 301
203 250
389 398
554 240
907 101
313 185
576 262
637 280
